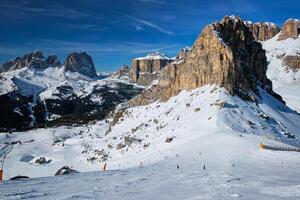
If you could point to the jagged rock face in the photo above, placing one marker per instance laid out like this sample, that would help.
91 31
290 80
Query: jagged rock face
123 71
292 62
34 60
81 63
145 70
53 61
183 53
290 29
263 30
225 54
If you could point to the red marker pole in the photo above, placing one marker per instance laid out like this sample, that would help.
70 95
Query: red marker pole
1 175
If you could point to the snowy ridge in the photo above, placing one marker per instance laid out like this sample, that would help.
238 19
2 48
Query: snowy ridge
286 82
43 84
154 56
269 24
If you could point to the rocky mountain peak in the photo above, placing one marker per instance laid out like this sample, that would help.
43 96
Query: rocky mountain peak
145 69
81 63
263 30
290 29
53 61
225 54
33 60
122 72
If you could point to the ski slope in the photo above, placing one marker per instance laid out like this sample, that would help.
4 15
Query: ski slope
255 174
207 126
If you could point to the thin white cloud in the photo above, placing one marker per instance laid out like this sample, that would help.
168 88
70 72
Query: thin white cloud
51 11
62 46
151 25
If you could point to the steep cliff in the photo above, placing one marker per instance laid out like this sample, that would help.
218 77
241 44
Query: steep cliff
290 29
263 30
225 54
145 69
81 63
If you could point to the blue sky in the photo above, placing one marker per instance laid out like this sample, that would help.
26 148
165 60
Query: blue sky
115 31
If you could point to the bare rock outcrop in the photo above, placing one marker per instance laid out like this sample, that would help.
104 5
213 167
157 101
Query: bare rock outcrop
292 62
290 29
34 60
81 63
145 69
65 170
183 53
263 30
225 54
53 61
123 71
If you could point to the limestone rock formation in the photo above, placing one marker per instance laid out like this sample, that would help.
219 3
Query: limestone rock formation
263 30
225 54
183 53
292 62
81 63
53 61
34 60
145 69
123 71
290 29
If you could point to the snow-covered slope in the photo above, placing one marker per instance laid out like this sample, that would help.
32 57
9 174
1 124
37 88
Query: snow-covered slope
205 126
140 135
286 82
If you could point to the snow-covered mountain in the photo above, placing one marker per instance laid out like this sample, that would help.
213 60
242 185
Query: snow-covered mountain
36 93
193 134
284 68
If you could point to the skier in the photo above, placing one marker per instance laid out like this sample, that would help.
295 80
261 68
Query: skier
204 167
104 167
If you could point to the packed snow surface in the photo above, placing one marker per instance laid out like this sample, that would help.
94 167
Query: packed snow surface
201 144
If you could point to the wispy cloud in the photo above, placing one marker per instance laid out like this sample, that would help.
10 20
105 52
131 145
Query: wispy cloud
138 28
63 46
55 10
150 24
